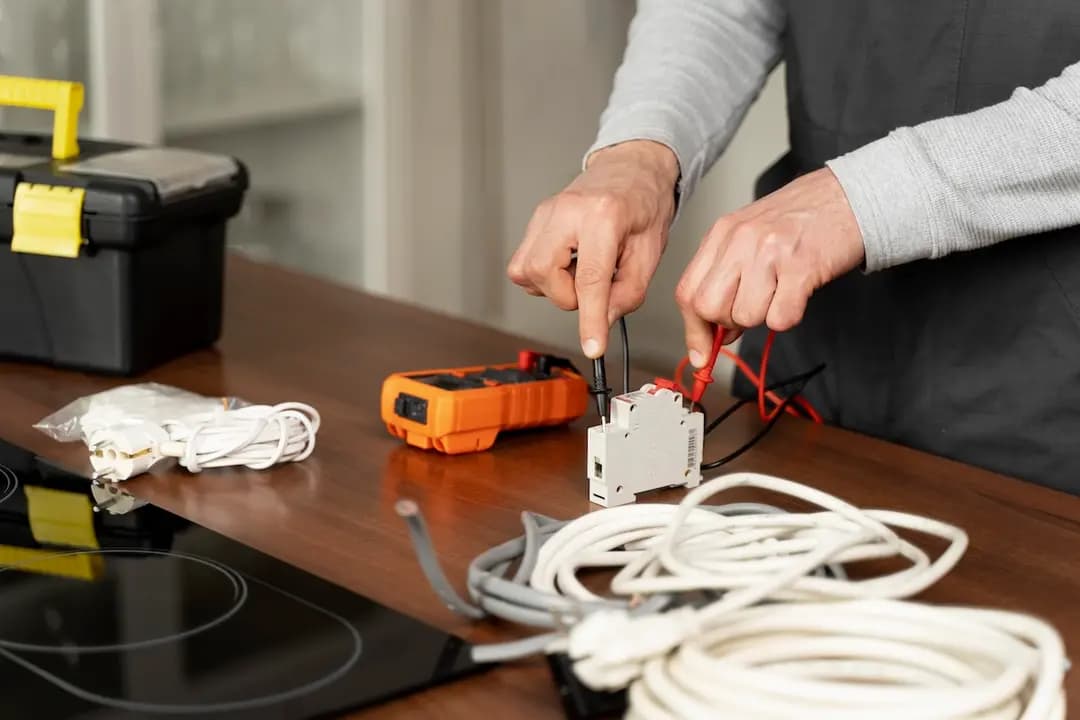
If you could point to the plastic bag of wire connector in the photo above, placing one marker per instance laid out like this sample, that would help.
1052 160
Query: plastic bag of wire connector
128 404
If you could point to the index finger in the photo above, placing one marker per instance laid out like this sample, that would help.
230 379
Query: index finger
598 249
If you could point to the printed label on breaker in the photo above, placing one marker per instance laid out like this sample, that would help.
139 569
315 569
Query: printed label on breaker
691 449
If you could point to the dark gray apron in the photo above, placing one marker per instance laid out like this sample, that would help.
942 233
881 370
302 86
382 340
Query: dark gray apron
975 356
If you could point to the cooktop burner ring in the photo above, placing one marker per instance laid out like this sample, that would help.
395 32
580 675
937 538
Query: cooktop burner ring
274 698
9 483
236 580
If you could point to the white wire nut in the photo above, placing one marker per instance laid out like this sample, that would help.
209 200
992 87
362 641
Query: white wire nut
256 437
850 660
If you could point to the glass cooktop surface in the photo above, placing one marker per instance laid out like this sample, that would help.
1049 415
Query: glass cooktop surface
110 616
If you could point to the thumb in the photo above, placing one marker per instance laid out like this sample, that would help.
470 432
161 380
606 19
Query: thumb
699 337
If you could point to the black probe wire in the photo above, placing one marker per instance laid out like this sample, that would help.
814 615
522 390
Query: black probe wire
802 378
625 354
600 389
801 381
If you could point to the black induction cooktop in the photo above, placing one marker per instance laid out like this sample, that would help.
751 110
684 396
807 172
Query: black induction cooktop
110 616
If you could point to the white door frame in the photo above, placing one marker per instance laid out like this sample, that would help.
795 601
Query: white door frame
424 180
125 70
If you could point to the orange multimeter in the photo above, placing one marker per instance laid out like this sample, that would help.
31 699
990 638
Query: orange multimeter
464 409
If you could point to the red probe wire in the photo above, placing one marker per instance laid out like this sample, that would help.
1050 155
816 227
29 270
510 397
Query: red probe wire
703 376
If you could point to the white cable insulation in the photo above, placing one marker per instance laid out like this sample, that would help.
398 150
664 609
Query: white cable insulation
781 639
752 557
256 436
848 660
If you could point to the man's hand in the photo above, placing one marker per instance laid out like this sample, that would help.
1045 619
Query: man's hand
760 264
615 215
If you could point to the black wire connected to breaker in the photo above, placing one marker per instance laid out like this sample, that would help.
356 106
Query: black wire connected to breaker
798 381
600 389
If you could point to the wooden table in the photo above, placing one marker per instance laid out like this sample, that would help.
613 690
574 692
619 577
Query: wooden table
290 337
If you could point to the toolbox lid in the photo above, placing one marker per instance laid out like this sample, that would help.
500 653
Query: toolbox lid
122 196
172 171
58 194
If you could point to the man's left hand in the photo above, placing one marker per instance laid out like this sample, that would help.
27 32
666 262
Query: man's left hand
760 264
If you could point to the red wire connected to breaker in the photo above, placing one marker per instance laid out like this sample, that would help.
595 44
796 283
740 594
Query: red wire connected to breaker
703 377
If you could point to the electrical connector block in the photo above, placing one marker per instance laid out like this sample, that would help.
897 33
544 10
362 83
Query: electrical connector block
652 441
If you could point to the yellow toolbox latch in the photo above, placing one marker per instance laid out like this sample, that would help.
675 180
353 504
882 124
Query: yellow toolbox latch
47 220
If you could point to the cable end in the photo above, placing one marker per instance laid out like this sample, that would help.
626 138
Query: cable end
406 508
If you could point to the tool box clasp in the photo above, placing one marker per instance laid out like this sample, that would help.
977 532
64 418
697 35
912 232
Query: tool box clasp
47 220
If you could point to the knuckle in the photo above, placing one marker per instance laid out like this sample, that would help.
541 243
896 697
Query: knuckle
771 247
550 205
638 290
516 268
589 275
684 296
782 320
705 308
721 228
744 316
745 232
564 303
633 301
568 202
535 268
609 207
784 315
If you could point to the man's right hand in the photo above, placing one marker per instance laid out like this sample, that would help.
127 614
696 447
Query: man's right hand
615 215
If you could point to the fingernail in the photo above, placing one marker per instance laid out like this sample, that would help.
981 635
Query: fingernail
591 348
697 359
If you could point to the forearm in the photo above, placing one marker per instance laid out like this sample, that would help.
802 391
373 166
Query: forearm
690 72
969 181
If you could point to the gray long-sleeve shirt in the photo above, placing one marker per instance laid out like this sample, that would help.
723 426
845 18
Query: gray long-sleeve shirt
692 68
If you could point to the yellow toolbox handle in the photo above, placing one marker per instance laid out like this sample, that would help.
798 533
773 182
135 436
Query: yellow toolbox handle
64 98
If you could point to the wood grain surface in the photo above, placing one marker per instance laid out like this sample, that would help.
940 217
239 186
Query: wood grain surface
291 337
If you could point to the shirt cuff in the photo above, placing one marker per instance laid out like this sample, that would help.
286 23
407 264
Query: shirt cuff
660 124
889 192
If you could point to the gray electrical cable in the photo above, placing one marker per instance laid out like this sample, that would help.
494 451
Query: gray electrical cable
513 599
429 563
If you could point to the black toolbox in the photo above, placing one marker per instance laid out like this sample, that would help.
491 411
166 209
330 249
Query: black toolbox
111 255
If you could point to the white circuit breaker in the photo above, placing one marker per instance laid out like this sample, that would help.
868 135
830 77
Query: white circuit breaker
652 441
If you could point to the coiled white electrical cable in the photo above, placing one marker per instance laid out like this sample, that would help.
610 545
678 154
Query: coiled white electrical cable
758 617
758 557
257 436
747 559
254 436
851 660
